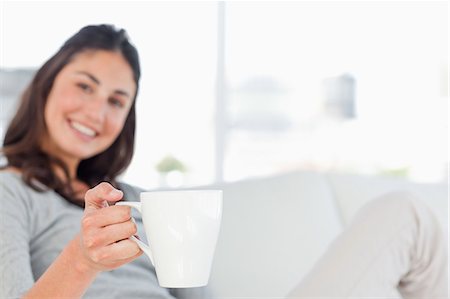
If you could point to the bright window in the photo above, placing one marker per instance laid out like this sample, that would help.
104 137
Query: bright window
338 86
237 89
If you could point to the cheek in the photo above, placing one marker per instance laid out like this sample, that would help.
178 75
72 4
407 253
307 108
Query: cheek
115 125
59 103
117 119
51 112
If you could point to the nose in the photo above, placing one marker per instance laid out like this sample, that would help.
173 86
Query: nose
96 110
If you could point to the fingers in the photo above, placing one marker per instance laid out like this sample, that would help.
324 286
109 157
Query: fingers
116 254
98 197
105 229
124 250
109 247
107 216
110 234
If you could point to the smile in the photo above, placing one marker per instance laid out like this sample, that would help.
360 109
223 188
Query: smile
82 129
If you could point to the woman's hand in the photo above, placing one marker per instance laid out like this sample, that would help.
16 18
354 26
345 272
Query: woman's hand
105 230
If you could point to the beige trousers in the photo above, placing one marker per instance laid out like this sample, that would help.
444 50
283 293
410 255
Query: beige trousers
394 245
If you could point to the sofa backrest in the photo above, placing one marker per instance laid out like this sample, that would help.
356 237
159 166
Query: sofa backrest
273 230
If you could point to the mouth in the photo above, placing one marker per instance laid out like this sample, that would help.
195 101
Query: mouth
83 130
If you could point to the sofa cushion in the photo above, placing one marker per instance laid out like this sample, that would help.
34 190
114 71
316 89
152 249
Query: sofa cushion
273 230
352 191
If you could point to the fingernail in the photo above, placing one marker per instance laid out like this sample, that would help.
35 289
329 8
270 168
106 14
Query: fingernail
115 192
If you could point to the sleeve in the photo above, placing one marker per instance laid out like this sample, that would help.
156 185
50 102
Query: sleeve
16 276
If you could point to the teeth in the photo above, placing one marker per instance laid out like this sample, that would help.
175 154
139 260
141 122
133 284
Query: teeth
83 129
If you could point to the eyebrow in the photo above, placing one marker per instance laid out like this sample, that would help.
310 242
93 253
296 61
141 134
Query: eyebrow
95 80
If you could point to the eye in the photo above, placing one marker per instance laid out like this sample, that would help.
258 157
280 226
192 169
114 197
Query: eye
85 87
115 102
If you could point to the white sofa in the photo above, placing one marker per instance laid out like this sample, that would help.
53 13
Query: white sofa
275 228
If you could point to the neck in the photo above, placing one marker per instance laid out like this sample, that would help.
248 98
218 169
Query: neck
71 162
78 187
72 169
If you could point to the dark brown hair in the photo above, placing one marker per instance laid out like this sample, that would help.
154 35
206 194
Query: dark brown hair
22 142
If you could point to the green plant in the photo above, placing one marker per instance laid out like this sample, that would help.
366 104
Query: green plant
170 163
397 172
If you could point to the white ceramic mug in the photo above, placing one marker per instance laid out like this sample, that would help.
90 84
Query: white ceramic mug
182 228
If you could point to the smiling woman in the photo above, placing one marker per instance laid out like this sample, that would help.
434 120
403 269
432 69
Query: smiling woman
72 135
75 124
87 106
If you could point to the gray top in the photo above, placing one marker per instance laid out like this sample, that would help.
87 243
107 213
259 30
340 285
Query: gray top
36 226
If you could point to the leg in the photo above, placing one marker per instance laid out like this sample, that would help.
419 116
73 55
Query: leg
393 244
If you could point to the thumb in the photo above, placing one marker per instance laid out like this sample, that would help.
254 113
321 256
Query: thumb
98 197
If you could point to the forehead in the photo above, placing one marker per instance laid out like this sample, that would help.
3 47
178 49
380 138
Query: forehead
109 67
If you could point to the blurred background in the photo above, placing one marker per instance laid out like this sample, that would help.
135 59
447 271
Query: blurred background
232 90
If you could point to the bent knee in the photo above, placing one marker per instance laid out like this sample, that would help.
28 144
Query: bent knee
397 200
395 205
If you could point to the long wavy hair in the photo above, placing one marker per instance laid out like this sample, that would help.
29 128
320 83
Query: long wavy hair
22 141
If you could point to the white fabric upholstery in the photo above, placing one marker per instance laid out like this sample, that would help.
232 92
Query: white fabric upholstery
275 228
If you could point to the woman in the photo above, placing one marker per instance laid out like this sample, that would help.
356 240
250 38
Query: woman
61 235
73 132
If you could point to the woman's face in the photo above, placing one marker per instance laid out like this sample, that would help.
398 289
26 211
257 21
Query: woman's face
88 105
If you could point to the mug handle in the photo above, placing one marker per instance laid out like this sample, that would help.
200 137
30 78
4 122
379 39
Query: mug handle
145 248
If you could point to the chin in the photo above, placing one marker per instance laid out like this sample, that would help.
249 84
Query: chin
82 151
82 154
